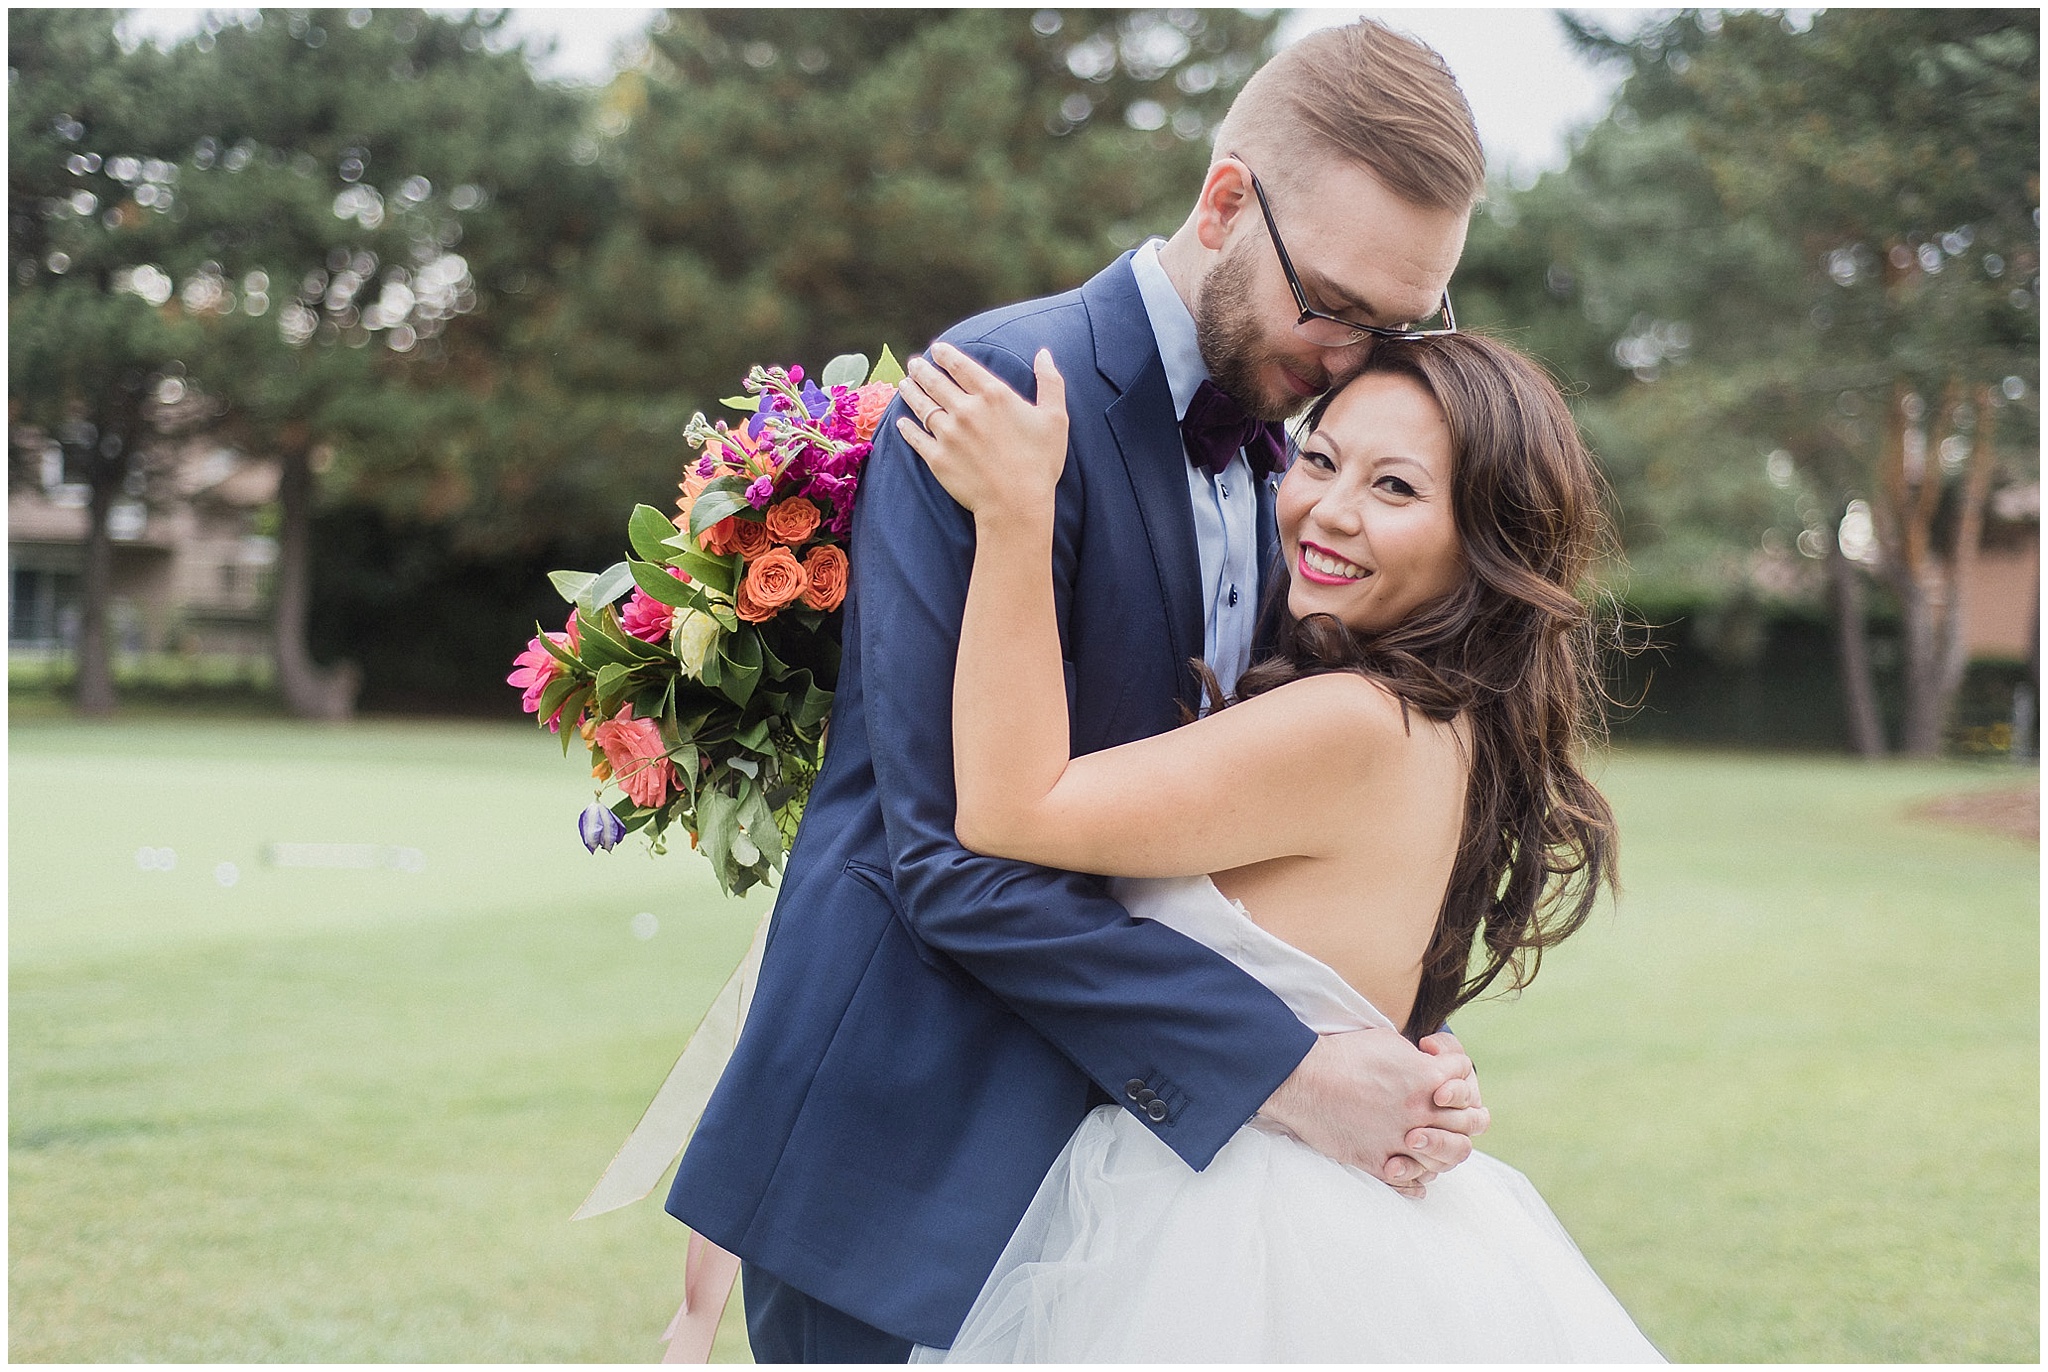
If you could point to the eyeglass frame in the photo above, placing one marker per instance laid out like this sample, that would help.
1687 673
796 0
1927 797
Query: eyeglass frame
1359 332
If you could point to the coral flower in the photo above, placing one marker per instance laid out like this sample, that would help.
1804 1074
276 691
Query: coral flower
639 760
792 521
750 538
771 583
825 569
874 399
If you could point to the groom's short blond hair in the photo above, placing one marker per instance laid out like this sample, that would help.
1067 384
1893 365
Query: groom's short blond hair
1368 95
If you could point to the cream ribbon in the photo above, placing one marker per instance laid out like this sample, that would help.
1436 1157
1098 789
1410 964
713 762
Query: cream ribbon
657 1141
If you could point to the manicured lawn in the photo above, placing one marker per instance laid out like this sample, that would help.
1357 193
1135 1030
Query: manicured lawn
1786 1096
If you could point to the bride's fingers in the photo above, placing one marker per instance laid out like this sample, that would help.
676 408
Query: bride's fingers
1459 1093
937 382
921 442
971 377
915 400
1438 1148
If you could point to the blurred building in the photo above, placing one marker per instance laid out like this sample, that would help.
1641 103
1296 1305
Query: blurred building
2004 588
192 568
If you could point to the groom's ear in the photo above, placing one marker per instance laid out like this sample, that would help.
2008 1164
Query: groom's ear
1225 199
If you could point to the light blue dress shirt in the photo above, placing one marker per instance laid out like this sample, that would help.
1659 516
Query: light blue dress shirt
1226 506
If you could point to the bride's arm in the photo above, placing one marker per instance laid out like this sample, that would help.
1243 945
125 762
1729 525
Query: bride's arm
1257 781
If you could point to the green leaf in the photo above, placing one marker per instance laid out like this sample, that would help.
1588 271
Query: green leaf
607 586
560 654
718 823
719 573
556 692
740 671
688 764
653 578
847 369
725 496
611 685
711 508
746 404
570 586
754 737
649 530
887 368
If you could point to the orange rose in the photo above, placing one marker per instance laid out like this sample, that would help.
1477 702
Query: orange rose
770 583
792 521
751 539
721 538
826 570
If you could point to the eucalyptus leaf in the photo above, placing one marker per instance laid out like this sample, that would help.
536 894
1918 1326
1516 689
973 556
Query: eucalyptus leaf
746 404
847 369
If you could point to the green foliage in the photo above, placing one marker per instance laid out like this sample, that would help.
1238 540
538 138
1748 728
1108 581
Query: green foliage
1773 228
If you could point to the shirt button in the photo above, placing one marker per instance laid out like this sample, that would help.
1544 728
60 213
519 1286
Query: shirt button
1233 595
1224 487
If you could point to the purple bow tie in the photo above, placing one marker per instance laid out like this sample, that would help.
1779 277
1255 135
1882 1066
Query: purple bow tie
1216 427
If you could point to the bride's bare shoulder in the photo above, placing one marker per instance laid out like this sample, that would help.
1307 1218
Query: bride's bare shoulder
1345 708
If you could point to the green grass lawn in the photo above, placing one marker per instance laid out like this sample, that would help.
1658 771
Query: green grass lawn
1785 1096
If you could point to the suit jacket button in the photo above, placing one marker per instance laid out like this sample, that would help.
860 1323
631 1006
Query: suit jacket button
1155 1109
1146 1097
1135 1088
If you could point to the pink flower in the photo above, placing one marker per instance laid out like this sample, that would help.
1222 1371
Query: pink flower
639 760
532 671
646 618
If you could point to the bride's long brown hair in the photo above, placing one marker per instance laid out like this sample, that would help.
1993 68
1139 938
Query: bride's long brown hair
1514 649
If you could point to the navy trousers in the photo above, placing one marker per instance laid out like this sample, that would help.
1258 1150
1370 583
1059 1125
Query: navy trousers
785 1325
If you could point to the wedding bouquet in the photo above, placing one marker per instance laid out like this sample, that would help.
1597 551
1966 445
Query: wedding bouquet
703 698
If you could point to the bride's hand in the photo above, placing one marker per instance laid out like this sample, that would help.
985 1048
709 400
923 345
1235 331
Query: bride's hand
995 452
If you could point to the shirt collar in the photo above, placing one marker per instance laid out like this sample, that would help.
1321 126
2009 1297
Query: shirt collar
1173 328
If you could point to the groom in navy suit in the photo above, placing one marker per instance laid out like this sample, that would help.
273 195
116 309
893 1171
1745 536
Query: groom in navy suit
931 1025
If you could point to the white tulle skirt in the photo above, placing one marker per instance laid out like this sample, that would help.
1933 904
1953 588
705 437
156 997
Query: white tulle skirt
1274 1253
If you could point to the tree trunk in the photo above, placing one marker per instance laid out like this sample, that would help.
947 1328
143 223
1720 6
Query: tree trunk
1852 644
94 688
310 691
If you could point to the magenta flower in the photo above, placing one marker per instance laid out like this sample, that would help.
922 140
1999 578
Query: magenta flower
761 491
533 669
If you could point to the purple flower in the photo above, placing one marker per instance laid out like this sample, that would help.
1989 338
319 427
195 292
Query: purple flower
761 491
706 468
599 827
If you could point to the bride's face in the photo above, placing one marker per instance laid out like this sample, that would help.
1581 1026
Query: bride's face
1365 512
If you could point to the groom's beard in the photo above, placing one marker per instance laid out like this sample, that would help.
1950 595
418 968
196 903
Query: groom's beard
1232 343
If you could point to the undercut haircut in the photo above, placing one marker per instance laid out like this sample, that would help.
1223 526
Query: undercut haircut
1368 95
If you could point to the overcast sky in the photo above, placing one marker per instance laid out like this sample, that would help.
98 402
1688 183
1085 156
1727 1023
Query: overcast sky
1529 92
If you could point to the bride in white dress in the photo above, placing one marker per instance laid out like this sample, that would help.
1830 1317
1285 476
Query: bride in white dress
1387 816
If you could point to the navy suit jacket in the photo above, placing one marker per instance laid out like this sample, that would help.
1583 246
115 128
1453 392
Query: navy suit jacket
931 1025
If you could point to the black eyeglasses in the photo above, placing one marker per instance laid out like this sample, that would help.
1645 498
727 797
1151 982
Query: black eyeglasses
1327 330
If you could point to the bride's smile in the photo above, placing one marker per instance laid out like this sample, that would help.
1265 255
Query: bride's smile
1365 513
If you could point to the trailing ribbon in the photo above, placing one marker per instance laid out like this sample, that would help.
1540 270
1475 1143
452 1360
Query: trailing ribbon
657 1141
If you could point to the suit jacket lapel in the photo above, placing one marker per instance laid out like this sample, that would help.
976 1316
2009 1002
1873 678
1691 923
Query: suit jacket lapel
1141 420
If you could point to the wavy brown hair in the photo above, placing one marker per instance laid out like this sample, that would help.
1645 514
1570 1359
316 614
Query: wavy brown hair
1514 649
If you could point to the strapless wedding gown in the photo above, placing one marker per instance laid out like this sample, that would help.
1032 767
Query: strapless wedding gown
1274 1253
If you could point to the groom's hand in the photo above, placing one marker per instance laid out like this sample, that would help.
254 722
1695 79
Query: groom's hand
1371 1099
